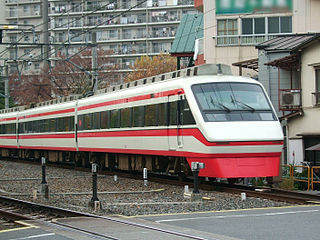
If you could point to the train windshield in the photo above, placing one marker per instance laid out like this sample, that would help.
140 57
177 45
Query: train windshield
233 102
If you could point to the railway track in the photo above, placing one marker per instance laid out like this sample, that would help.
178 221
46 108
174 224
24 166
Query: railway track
22 210
292 197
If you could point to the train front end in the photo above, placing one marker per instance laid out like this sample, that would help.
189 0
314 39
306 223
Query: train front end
239 131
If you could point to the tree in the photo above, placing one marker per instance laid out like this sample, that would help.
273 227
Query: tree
63 78
146 66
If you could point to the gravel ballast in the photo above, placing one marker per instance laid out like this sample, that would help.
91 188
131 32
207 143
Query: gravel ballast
72 189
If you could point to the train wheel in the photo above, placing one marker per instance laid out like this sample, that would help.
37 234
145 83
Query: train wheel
181 176
232 180
269 180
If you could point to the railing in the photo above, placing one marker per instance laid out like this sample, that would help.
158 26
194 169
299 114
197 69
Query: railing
251 39
313 174
316 98
292 171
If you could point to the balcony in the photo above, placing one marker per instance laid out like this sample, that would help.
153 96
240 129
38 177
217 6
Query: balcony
290 99
316 99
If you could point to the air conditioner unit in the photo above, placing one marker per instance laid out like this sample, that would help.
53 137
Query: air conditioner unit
37 13
291 99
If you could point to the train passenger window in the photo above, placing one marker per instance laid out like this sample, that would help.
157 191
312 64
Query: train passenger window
67 124
105 120
35 128
20 128
96 122
114 118
52 125
151 115
162 114
138 116
87 121
126 117
60 125
173 107
81 122
71 123
187 114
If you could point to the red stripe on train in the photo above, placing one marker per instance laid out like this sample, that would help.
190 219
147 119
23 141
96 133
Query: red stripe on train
44 136
133 99
8 119
70 110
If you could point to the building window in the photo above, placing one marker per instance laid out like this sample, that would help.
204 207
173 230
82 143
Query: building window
253 26
317 92
227 32
257 30
279 25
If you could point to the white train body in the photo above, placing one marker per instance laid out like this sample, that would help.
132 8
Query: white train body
201 118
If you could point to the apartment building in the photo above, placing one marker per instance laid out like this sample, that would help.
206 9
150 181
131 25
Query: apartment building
127 29
22 15
233 28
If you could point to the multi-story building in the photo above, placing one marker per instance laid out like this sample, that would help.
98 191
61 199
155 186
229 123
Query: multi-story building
232 28
127 29
24 14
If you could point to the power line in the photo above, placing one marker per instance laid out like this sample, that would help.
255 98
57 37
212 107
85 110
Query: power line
36 26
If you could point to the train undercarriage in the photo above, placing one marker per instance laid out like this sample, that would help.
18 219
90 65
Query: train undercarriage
106 161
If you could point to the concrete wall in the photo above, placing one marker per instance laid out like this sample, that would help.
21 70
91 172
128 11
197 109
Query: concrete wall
306 14
309 123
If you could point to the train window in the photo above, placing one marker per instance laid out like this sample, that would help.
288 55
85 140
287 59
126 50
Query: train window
81 122
41 126
71 123
96 122
138 116
151 115
87 121
67 124
126 117
46 125
162 114
105 120
52 125
173 107
114 118
60 124
35 128
187 114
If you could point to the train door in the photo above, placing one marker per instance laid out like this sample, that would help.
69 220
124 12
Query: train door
174 113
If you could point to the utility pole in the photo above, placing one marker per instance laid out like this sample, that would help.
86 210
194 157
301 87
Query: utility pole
45 18
94 62
6 86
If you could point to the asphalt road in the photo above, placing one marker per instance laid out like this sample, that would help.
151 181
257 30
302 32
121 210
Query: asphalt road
294 223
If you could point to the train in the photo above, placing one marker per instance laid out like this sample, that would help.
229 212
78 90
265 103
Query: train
164 123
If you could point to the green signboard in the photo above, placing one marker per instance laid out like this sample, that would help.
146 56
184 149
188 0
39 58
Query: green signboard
252 6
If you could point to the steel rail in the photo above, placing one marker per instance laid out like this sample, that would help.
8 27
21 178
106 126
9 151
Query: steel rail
71 213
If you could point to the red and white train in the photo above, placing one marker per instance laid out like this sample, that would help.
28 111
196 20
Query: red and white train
163 123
